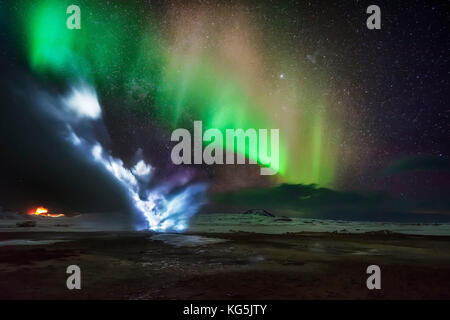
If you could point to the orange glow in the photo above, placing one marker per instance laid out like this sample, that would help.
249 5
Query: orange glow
41 211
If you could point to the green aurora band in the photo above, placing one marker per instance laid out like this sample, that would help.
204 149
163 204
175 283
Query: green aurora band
123 51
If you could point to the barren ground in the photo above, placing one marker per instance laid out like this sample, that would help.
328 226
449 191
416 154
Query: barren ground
130 265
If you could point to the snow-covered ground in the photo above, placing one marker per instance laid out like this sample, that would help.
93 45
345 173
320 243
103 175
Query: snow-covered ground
275 225
82 223
230 222
22 242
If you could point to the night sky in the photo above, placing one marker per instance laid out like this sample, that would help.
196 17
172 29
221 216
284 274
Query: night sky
358 110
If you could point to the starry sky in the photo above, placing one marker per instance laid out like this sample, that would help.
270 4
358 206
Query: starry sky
358 109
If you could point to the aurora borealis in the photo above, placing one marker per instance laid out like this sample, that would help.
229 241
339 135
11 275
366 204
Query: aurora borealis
348 102
198 63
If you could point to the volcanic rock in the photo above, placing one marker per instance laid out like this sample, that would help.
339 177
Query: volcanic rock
26 224
260 212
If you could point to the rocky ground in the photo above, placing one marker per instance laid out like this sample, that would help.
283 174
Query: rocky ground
142 265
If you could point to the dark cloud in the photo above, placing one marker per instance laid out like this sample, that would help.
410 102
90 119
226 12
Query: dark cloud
416 163
296 196
310 201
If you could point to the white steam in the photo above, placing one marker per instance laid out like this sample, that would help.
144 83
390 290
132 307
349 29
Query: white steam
163 212
83 103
